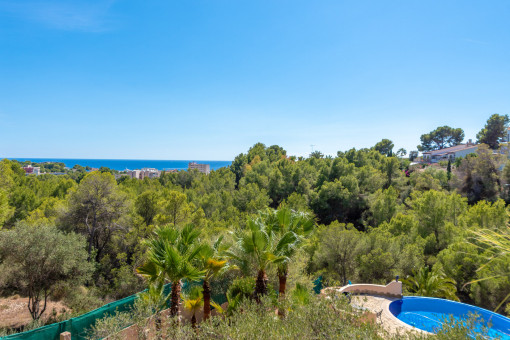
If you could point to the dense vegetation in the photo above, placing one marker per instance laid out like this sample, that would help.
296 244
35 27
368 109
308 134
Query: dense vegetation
314 318
365 215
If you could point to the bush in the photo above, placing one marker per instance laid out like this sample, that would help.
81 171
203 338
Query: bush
82 300
141 315
321 319
38 258
242 287
466 329
126 283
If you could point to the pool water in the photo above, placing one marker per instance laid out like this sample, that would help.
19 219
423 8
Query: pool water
430 314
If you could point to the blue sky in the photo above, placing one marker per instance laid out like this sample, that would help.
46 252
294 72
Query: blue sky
207 79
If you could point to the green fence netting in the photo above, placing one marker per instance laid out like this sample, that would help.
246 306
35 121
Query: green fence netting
81 325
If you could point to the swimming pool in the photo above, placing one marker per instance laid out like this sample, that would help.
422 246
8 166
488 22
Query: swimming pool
429 314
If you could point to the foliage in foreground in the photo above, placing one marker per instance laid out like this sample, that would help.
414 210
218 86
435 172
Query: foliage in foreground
318 318
497 245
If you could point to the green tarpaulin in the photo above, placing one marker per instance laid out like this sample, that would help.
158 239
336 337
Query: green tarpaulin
81 325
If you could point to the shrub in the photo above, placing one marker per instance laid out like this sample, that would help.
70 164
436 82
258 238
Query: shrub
37 258
321 319
242 287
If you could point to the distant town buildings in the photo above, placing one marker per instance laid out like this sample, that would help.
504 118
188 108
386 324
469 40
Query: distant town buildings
203 168
451 154
144 173
29 169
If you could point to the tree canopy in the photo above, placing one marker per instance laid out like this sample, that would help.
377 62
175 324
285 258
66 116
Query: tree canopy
385 146
494 130
36 258
364 215
440 138
95 208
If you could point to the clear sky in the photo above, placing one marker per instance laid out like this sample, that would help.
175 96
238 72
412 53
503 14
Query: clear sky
186 79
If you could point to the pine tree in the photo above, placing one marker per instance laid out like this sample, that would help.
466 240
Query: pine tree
449 169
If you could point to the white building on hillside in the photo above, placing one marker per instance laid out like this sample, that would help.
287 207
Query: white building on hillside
451 154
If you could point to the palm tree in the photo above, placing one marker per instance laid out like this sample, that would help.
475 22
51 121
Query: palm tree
193 301
261 246
290 227
171 257
433 283
155 299
214 264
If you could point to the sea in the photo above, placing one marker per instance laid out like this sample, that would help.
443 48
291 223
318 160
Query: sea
131 164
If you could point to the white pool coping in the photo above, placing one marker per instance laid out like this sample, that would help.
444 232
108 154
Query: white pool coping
376 303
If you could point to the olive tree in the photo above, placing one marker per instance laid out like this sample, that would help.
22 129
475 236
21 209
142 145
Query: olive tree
35 258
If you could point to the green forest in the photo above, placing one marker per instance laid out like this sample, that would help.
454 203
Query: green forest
268 225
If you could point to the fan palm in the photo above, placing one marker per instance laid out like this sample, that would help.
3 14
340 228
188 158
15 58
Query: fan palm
155 299
290 227
193 301
155 296
214 263
171 257
263 248
431 283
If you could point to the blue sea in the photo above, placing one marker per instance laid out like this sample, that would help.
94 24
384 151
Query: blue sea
123 164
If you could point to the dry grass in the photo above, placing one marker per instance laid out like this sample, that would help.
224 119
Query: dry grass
14 311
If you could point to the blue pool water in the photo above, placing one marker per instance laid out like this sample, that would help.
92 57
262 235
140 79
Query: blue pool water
429 314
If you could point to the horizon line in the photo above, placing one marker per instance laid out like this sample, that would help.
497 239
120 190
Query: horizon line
116 159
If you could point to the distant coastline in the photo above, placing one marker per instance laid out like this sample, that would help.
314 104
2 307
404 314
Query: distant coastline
123 164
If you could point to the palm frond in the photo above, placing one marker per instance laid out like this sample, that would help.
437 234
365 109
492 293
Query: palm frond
217 307
502 302
150 271
171 255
